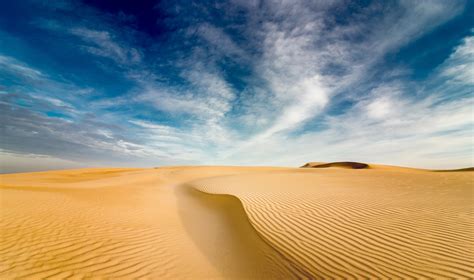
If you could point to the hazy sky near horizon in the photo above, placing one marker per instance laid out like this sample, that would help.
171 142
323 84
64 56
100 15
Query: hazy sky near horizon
151 83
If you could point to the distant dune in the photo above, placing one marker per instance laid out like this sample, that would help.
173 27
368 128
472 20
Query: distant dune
457 170
238 223
342 164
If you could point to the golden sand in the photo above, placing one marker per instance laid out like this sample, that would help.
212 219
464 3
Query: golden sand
237 223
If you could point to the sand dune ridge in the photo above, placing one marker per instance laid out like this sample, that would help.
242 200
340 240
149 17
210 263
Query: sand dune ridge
339 231
237 223
340 164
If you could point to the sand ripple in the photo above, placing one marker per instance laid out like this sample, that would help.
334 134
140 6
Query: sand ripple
379 223
237 223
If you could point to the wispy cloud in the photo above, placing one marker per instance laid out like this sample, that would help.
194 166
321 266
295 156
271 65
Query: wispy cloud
460 65
307 60
219 41
258 82
101 43
14 67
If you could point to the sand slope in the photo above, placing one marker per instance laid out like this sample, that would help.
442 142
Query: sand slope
124 223
272 223
382 222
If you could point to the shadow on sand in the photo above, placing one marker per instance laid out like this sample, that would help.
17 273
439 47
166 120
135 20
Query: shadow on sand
219 227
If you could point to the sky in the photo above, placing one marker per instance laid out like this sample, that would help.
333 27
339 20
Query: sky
243 82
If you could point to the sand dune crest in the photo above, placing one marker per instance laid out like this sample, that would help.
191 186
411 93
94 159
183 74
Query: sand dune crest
341 164
129 224
237 223
387 223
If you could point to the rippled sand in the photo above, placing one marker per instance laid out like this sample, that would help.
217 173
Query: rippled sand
237 223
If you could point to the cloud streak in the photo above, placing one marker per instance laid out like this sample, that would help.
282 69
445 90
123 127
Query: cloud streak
273 82
102 44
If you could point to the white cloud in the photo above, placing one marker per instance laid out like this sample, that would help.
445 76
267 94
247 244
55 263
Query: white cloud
360 140
411 132
19 69
171 142
302 61
383 102
459 67
14 162
299 49
380 108
102 43
219 40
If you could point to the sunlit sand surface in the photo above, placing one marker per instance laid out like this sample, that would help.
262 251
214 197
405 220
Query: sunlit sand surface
238 223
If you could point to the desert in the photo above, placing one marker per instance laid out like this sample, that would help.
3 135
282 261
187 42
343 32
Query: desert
224 222
236 139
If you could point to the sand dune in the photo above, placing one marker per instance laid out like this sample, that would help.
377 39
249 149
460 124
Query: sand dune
127 223
237 223
386 222
341 164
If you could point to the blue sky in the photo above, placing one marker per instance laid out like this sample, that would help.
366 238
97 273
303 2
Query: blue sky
151 83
